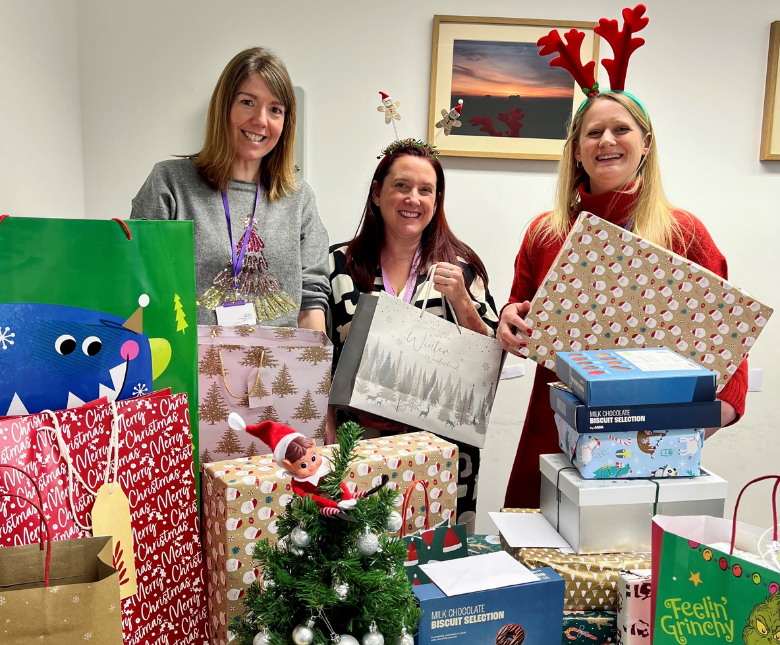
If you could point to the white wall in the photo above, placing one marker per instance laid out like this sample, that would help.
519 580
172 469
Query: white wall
41 172
147 69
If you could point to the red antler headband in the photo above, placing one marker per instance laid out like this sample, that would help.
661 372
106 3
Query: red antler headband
623 44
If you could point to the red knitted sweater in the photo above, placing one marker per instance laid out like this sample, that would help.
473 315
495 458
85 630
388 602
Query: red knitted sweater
539 435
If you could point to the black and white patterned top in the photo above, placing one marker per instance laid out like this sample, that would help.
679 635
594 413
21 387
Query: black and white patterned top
344 298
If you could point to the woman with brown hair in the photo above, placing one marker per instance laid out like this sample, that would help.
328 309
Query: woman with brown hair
402 233
273 255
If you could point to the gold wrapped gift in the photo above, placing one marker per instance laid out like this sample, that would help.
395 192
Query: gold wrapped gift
591 580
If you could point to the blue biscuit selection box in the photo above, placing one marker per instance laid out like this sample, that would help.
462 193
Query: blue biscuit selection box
530 613
634 377
631 418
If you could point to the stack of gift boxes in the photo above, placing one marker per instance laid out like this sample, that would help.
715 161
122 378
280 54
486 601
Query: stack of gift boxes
631 427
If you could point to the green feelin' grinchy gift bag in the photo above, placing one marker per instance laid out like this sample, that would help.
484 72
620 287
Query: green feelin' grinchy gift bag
715 580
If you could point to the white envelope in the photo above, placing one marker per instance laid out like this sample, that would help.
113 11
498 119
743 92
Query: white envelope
478 573
529 531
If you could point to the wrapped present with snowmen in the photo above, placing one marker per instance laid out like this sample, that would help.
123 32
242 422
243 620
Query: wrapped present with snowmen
242 499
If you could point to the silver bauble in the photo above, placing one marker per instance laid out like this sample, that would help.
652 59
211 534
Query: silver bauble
300 537
303 634
394 522
368 543
373 637
262 638
404 638
346 639
268 583
341 589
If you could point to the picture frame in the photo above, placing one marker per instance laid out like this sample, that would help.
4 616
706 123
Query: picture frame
493 64
770 130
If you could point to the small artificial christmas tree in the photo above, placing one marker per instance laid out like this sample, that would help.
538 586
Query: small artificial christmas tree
326 577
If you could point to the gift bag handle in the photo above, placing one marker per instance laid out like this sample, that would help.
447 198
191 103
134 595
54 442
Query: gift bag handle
48 535
774 508
37 492
427 288
113 456
224 378
407 498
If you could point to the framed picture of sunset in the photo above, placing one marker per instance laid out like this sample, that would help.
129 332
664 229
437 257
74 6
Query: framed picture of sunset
514 105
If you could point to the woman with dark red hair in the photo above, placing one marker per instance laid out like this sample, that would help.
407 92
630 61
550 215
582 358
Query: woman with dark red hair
402 233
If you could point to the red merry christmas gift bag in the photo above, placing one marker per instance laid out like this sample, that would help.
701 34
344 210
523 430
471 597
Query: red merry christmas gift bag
143 448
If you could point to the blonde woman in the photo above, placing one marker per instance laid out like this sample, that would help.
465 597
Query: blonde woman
609 168
243 180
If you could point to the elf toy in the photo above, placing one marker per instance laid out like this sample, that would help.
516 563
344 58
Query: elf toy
299 456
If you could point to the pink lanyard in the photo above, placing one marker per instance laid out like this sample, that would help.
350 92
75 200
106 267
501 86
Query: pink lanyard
411 283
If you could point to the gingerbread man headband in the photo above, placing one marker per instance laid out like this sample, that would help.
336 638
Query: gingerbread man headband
623 44
390 109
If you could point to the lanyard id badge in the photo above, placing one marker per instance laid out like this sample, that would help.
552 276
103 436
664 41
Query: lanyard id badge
237 311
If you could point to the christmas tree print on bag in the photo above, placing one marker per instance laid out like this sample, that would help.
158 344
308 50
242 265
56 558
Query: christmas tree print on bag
263 374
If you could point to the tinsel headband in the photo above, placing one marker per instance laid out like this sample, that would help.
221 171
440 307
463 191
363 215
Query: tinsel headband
408 143
623 44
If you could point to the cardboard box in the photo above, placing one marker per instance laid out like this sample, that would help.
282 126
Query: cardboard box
243 497
631 418
609 289
634 607
632 455
591 580
507 616
634 377
597 516
589 628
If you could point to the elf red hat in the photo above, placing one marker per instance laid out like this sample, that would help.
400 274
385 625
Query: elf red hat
276 435
458 107
384 96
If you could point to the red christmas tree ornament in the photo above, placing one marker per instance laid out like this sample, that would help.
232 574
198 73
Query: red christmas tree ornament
622 41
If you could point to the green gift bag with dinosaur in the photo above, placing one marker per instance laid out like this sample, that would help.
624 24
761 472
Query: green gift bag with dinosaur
95 308
715 580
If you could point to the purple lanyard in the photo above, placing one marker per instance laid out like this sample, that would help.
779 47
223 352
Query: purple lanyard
411 283
238 262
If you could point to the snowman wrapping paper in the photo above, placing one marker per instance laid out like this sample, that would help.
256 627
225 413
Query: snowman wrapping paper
242 499
609 289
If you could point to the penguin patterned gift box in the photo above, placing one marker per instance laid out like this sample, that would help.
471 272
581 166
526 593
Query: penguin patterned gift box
609 289
242 499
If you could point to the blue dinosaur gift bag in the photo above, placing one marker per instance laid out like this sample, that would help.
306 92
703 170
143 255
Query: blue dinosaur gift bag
715 580
95 308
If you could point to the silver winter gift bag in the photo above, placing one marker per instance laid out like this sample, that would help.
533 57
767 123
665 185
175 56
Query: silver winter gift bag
417 369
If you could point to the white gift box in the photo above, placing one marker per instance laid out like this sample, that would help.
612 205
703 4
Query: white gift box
615 515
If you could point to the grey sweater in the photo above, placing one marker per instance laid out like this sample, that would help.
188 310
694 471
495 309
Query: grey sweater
296 242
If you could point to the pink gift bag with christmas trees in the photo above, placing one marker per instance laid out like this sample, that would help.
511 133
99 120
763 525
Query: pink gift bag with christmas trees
277 374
